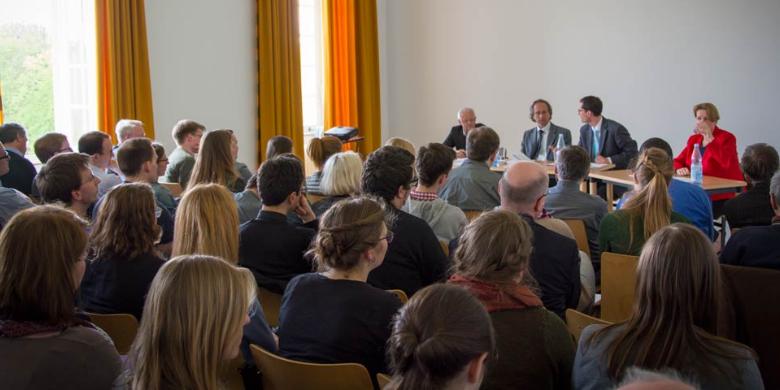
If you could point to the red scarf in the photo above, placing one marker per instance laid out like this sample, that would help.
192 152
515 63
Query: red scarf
496 297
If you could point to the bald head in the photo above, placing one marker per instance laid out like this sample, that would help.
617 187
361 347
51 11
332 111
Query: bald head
522 186
467 118
657 385
640 379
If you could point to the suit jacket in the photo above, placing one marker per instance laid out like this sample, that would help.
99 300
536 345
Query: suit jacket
531 146
615 143
456 139
20 175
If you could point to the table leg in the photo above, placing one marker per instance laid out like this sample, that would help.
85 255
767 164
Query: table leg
594 188
610 188
584 186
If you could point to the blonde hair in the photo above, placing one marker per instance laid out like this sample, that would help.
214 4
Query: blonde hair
320 149
195 308
652 203
126 225
341 174
403 144
207 223
215 163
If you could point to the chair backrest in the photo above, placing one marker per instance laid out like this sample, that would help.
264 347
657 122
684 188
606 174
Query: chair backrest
280 373
472 214
401 295
618 284
580 235
445 247
120 327
577 321
271 303
382 380
314 198
174 188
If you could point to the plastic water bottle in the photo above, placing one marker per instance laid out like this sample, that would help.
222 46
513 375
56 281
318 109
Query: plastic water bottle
696 170
558 146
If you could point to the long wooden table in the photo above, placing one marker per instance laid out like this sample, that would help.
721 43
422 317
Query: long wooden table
549 166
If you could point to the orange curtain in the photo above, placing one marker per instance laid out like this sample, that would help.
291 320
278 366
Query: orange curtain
124 86
351 57
280 107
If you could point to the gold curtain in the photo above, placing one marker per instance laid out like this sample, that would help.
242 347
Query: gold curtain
124 87
280 107
351 57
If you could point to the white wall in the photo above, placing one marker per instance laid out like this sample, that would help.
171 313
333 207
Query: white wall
202 57
650 62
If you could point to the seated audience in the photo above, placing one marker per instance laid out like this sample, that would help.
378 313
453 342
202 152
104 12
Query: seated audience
415 258
207 223
403 144
49 145
492 262
193 319
319 151
162 194
335 316
67 179
555 260
44 342
759 163
122 260
757 246
187 134
270 246
277 146
456 139
647 211
673 323
340 180
566 201
434 162
97 145
441 339
216 161
21 171
11 200
540 142
126 129
472 185
248 201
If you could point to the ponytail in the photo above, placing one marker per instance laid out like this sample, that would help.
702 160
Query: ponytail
320 149
653 172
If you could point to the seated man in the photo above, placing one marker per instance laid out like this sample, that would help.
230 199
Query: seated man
757 246
414 256
187 134
11 200
66 178
750 208
566 201
270 246
126 129
605 140
21 172
248 201
472 185
539 142
456 139
555 260
434 162
49 145
97 145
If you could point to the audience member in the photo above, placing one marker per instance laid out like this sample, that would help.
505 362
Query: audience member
442 339
540 142
335 316
555 260
472 185
216 161
759 162
248 201
11 200
44 342
162 194
456 139
126 129
207 223
673 323
66 178
319 151
415 258
534 346
51 144
650 209
187 134
21 171
434 162
270 246
277 146
122 261
340 180
607 141
403 144
97 145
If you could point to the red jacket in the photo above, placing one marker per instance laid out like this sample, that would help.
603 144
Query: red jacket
719 158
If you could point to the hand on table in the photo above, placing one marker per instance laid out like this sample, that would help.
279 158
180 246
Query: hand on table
683 172
602 160
460 153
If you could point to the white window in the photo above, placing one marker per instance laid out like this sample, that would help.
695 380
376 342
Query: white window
310 30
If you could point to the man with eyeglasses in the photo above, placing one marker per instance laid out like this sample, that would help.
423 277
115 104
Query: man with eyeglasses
21 171
11 200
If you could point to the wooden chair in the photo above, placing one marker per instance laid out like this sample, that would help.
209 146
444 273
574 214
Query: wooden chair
280 373
580 235
577 321
401 295
382 380
314 198
120 327
445 247
271 303
174 188
473 214
618 282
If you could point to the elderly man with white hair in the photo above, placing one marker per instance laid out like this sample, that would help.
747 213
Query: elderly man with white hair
456 139
128 129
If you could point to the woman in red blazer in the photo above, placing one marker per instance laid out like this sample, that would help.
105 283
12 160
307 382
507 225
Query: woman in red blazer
718 147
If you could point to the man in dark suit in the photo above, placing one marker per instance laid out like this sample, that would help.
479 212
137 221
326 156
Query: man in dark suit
540 142
456 139
22 171
614 144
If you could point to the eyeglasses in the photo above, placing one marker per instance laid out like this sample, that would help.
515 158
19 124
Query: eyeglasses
388 237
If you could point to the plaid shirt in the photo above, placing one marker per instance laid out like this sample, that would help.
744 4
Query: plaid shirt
420 195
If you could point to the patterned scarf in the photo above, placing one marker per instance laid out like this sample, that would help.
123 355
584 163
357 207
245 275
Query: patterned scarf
497 298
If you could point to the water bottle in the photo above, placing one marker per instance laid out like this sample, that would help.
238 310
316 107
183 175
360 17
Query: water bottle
558 146
696 170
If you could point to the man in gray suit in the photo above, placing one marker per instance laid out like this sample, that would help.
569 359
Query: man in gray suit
539 143
614 146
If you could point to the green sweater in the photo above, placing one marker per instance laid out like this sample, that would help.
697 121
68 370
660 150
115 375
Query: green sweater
614 233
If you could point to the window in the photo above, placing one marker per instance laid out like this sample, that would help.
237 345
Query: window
47 66
310 30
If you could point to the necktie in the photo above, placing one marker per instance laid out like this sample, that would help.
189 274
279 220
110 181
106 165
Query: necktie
596 139
540 147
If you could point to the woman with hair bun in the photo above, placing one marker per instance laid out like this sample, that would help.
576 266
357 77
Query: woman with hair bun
319 151
442 339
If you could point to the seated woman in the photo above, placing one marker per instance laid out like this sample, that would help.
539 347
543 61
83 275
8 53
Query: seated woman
442 339
193 320
319 151
44 343
534 346
216 161
122 260
278 146
207 223
335 316
647 211
340 180
673 323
